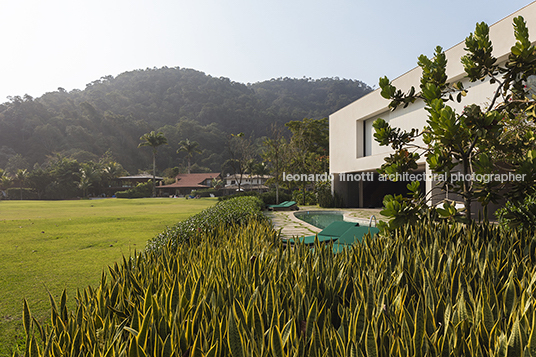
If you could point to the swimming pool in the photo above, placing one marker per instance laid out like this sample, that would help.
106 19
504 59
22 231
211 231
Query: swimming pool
318 218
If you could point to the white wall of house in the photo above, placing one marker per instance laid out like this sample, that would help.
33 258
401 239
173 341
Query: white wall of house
352 145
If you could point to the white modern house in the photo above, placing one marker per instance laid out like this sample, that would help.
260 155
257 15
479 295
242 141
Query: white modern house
353 151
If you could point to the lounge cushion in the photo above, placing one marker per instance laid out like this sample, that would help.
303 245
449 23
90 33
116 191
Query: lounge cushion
353 235
333 231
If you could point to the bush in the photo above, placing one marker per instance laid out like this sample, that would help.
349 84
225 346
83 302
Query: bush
206 192
424 290
239 194
237 211
143 189
310 197
519 215
269 197
13 193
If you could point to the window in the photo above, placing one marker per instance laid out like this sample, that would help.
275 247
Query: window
368 132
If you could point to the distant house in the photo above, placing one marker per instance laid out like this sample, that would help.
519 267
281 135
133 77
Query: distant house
185 183
247 183
125 182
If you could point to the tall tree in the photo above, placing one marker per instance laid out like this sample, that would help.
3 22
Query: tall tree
190 147
309 147
154 140
275 153
241 152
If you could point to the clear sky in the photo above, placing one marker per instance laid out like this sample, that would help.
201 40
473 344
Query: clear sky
69 43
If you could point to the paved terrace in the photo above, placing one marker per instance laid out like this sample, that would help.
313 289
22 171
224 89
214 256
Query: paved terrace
291 226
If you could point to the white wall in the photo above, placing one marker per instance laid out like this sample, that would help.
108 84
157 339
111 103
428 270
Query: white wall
348 152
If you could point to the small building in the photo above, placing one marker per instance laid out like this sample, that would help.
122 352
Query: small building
185 183
247 183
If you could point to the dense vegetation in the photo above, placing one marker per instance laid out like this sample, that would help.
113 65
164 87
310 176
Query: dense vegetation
112 113
236 291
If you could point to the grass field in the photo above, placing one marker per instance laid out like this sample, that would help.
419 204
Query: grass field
58 245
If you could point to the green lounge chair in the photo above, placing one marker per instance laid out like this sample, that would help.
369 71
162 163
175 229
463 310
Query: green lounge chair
284 206
352 236
333 231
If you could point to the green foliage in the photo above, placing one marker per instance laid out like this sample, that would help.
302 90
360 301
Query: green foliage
142 189
475 141
325 198
423 290
309 199
239 194
236 211
269 197
14 193
206 192
519 214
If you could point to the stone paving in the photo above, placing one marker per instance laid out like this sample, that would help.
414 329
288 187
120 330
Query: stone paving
293 227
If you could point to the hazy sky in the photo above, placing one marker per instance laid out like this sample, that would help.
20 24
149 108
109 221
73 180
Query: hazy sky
69 43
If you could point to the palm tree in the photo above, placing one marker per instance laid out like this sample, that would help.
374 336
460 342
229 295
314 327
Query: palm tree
90 175
154 140
190 147
21 175
5 182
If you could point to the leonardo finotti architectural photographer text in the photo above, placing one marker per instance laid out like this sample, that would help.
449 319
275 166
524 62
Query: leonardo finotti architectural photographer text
369 177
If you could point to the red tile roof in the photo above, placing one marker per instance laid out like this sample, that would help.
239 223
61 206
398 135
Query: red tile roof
191 180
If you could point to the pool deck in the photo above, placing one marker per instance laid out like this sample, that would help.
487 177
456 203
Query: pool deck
293 227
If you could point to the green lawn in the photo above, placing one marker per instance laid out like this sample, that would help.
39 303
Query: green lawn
58 245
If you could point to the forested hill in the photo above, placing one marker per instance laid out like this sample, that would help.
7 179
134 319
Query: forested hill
112 113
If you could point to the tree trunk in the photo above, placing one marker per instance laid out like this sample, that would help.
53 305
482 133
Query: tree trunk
467 195
304 184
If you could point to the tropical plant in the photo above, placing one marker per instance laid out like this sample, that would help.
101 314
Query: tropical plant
423 290
5 180
90 176
154 140
21 176
465 143
190 147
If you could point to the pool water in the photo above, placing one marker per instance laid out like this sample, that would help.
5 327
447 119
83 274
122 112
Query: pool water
319 219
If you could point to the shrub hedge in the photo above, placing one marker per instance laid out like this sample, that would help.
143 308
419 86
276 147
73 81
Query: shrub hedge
239 211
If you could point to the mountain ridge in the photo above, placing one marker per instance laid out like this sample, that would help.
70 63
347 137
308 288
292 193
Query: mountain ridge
111 113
